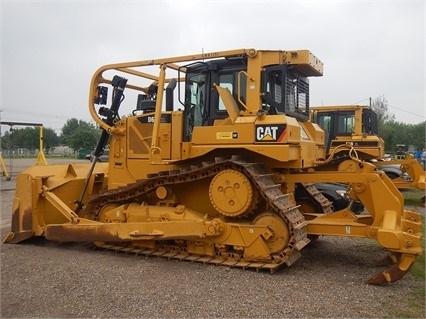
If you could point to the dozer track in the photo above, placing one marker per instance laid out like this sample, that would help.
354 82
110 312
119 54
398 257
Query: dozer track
276 205
317 197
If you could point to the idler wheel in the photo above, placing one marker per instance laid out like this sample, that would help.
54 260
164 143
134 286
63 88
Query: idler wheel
107 214
280 234
231 193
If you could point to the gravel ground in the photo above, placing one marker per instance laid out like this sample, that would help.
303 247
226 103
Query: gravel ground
41 279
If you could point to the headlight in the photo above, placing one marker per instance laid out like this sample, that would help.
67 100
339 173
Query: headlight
342 193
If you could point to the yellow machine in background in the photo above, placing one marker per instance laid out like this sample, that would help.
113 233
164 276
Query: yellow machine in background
356 126
41 159
213 178
4 171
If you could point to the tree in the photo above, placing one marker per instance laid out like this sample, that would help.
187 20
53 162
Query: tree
79 134
393 133
29 138
419 133
380 106
68 130
50 139
7 140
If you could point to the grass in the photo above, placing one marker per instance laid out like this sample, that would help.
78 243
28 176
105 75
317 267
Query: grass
418 269
415 300
412 196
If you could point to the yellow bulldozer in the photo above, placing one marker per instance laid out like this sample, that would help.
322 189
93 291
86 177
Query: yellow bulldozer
206 167
356 126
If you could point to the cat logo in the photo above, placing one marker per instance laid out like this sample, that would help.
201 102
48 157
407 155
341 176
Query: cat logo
270 133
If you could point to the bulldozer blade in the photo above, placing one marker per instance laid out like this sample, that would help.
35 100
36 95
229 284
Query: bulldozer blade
17 237
394 273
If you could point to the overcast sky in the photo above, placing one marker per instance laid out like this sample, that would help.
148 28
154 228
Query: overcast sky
50 49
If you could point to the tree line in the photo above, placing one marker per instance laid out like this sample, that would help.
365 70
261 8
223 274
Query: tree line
394 132
78 134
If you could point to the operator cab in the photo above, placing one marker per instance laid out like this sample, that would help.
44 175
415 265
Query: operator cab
282 90
342 123
285 91
202 102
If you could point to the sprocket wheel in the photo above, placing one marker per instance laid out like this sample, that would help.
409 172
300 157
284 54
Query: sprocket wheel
232 194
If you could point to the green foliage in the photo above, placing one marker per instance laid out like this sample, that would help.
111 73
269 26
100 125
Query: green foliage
29 138
50 138
68 129
79 134
418 268
400 133
393 132
380 106
76 134
412 197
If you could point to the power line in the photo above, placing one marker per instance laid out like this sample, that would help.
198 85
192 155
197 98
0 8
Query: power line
356 103
39 114
394 107
402 110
